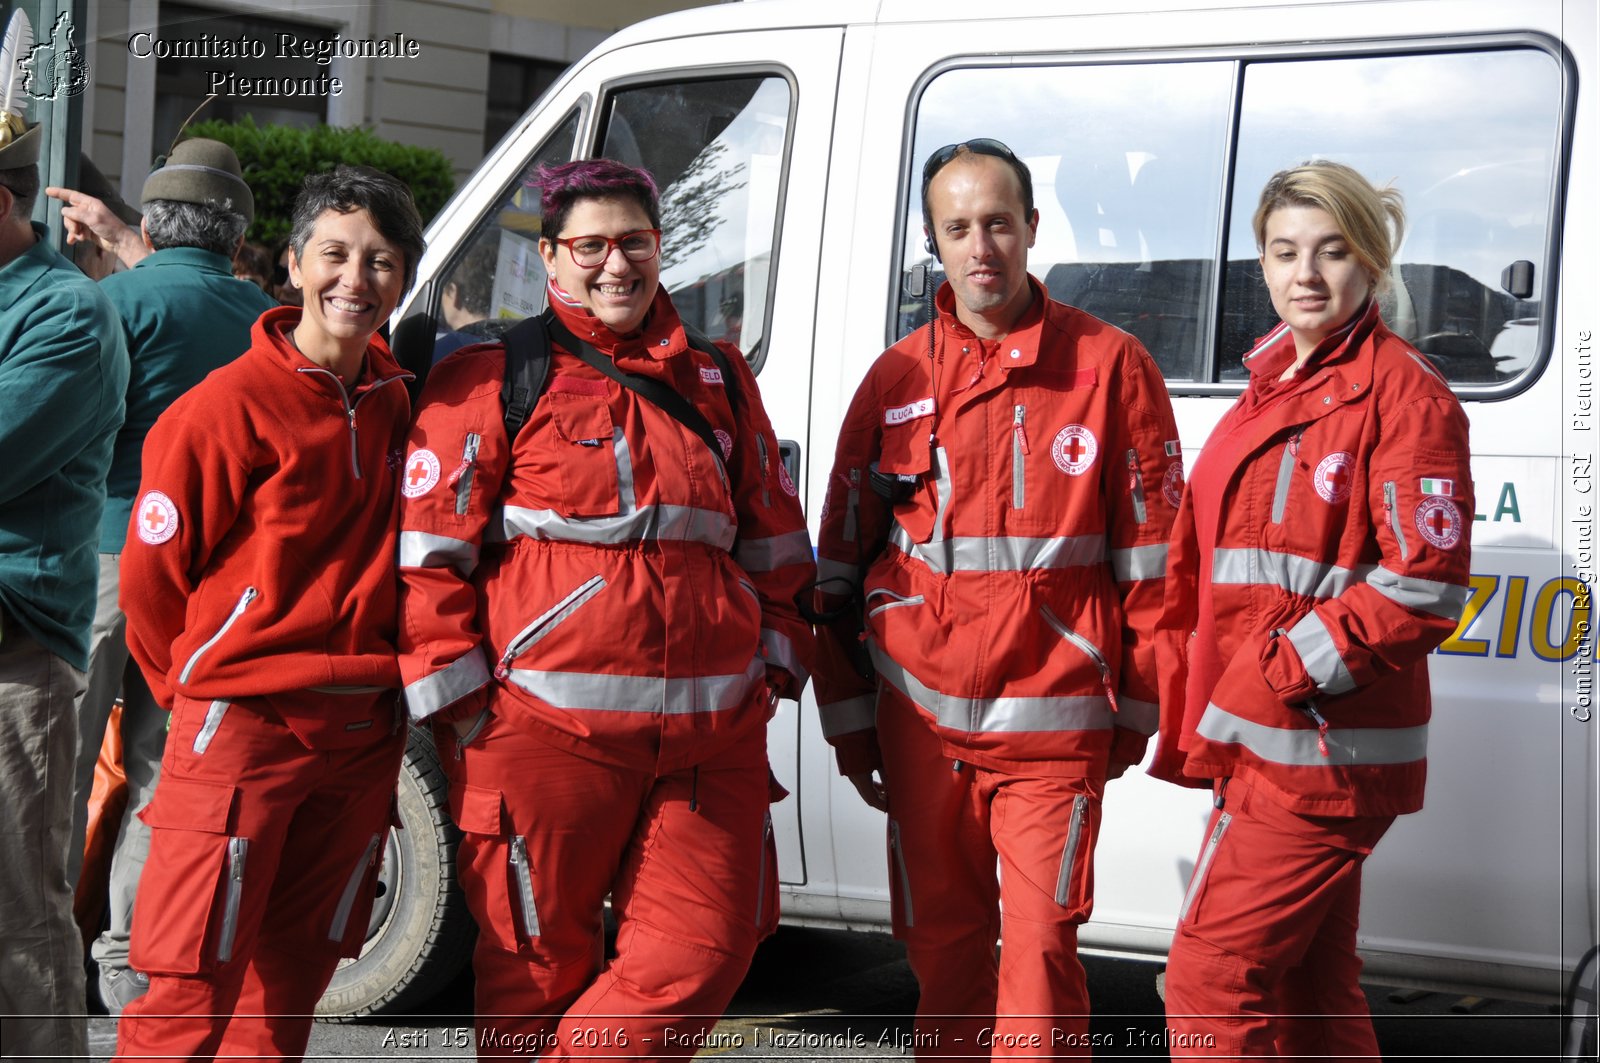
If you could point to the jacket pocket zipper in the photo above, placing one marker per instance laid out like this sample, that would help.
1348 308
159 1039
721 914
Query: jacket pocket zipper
524 876
1089 649
1205 864
897 848
1136 487
237 849
347 899
547 622
1069 853
1280 493
895 601
461 479
1392 505
249 595
1019 450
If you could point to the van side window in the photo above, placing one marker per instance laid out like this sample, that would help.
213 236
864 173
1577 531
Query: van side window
718 150
1130 162
497 278
1469 138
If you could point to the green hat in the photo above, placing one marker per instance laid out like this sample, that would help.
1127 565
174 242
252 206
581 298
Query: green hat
205 172
19 142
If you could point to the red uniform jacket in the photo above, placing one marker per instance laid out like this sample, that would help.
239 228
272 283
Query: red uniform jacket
1013 594
628 595
260 556
1340 559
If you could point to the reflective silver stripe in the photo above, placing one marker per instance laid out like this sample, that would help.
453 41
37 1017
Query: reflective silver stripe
660 523
852 714
830 570
1001 714
1429 366
902 876
1001 553
765 555
1293 573
1297 747
641 693
1314 642
1204 865
624 456
433 692
426 550
894 601
1424 595
781 652
208 730
1069 851
1139 562
1266 342
1135 715
352 890
1280 493
941 484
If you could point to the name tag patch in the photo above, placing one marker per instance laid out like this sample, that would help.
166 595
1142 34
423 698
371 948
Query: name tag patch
710 375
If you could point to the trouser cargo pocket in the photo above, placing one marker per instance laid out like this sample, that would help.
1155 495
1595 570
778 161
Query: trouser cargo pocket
500 886
186 915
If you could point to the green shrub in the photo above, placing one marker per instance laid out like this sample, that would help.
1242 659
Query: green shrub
276 158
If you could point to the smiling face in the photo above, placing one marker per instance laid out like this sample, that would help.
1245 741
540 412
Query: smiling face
1316 281
983 232
618 291
351 277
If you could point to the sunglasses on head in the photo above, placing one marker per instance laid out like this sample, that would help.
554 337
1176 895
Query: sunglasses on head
978 146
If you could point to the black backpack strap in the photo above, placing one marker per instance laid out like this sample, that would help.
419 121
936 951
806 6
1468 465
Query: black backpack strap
527 367
678 407
730 383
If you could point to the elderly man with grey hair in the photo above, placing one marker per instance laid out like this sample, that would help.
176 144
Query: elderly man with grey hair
183 314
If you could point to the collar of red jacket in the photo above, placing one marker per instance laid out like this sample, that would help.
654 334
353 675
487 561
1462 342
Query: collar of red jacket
661 336
1340 367
1021 344
270 335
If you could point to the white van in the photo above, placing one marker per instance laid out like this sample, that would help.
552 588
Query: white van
788 136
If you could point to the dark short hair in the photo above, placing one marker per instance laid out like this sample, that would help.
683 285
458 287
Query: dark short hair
346 188
944 156
23 183
172 223
561 187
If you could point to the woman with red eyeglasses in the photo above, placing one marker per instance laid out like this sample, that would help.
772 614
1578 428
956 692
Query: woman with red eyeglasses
597 613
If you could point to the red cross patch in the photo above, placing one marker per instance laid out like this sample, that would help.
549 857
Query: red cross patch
157 518
1439 521
725 441
786 481
1334 475
1172 484
1074 450
421 473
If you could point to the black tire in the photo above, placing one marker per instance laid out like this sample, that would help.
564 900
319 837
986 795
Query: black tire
420 935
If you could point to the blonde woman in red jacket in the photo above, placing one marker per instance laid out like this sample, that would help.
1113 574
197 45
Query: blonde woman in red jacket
1321 551
259 585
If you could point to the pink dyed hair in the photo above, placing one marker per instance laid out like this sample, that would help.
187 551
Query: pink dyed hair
561 187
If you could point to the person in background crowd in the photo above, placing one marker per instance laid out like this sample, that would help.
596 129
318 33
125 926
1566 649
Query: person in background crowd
63 372
283 287
183 315
259 586
1321 550
464 303
995 531
253 263
598 617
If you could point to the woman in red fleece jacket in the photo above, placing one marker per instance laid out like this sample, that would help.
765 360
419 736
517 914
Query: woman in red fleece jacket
259 585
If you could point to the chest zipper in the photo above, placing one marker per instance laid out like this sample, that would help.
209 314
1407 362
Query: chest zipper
461 479
1019 450
1089 649
250 594
1136 487
1391 506
1280 492
350 410
547 622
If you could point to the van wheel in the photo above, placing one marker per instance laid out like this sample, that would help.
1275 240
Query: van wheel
420 934
1583 1008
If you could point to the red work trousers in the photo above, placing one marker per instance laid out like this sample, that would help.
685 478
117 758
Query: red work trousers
263 859
948 823
1264 962
687 858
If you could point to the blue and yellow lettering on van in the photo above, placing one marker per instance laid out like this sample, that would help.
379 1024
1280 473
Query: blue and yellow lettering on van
1499 609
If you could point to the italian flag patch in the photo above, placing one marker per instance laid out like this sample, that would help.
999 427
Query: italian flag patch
1443 488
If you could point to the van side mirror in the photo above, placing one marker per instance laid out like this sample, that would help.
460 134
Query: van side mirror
1517 279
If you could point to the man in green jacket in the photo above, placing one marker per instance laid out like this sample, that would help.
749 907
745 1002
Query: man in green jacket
183 314
63 370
